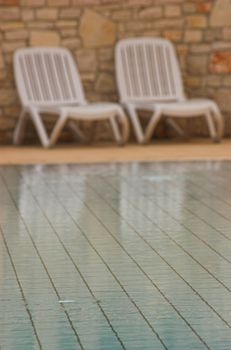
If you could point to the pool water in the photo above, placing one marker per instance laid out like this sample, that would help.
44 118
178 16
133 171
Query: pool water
116 256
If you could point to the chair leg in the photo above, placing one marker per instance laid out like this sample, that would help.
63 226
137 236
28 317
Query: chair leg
58 128
77 132
136 124
211 126
152 124
219 121
20 128
175 126
125 125
115 130
40 128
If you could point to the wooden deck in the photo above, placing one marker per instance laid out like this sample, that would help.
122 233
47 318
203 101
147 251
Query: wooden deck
194 149
115 256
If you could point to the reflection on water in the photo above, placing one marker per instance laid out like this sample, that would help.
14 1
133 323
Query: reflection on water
119 256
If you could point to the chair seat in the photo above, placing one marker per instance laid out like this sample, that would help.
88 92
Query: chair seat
194 107
93 111
187 108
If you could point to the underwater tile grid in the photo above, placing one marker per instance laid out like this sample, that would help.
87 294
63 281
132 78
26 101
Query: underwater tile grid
116 256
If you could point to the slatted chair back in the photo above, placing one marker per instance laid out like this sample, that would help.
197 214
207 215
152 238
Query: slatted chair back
47 77
147 70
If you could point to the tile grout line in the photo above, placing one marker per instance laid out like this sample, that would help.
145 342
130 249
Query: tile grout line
43 264
211 208
21 290
81 275
140 268
189 230
153 223
104 220
75 265
171 239
109 269
199 217
194 290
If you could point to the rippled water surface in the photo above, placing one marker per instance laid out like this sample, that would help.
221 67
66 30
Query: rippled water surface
122 256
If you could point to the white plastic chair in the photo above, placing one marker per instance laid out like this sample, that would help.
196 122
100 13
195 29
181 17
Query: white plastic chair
148 78
47 80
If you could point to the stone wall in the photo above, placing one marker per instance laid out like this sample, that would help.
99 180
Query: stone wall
200 30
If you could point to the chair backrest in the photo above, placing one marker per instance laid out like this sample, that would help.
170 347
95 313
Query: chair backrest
47 77
147 70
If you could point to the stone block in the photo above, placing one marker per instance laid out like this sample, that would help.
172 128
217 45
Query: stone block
174 23
173 35
70 13
7 97
96 30
12 25
135 26
105 83
198 65
12 110
200 48
151 12
11 46
182 49
44 38
223 99
2 65
106 54
6 122
212 34
196 21
47 14
20 34
194 82
88 77
172 11
9 13
189 7
221 46
107 66
167 2
227 34
2 75
71 43
33 3
121 15
193 36
221 62
204 6
133 3
9 2
86 60
58 3
27 14
40 25
68 32
221 14
66 24
151 33
227 81
85 2
214 80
